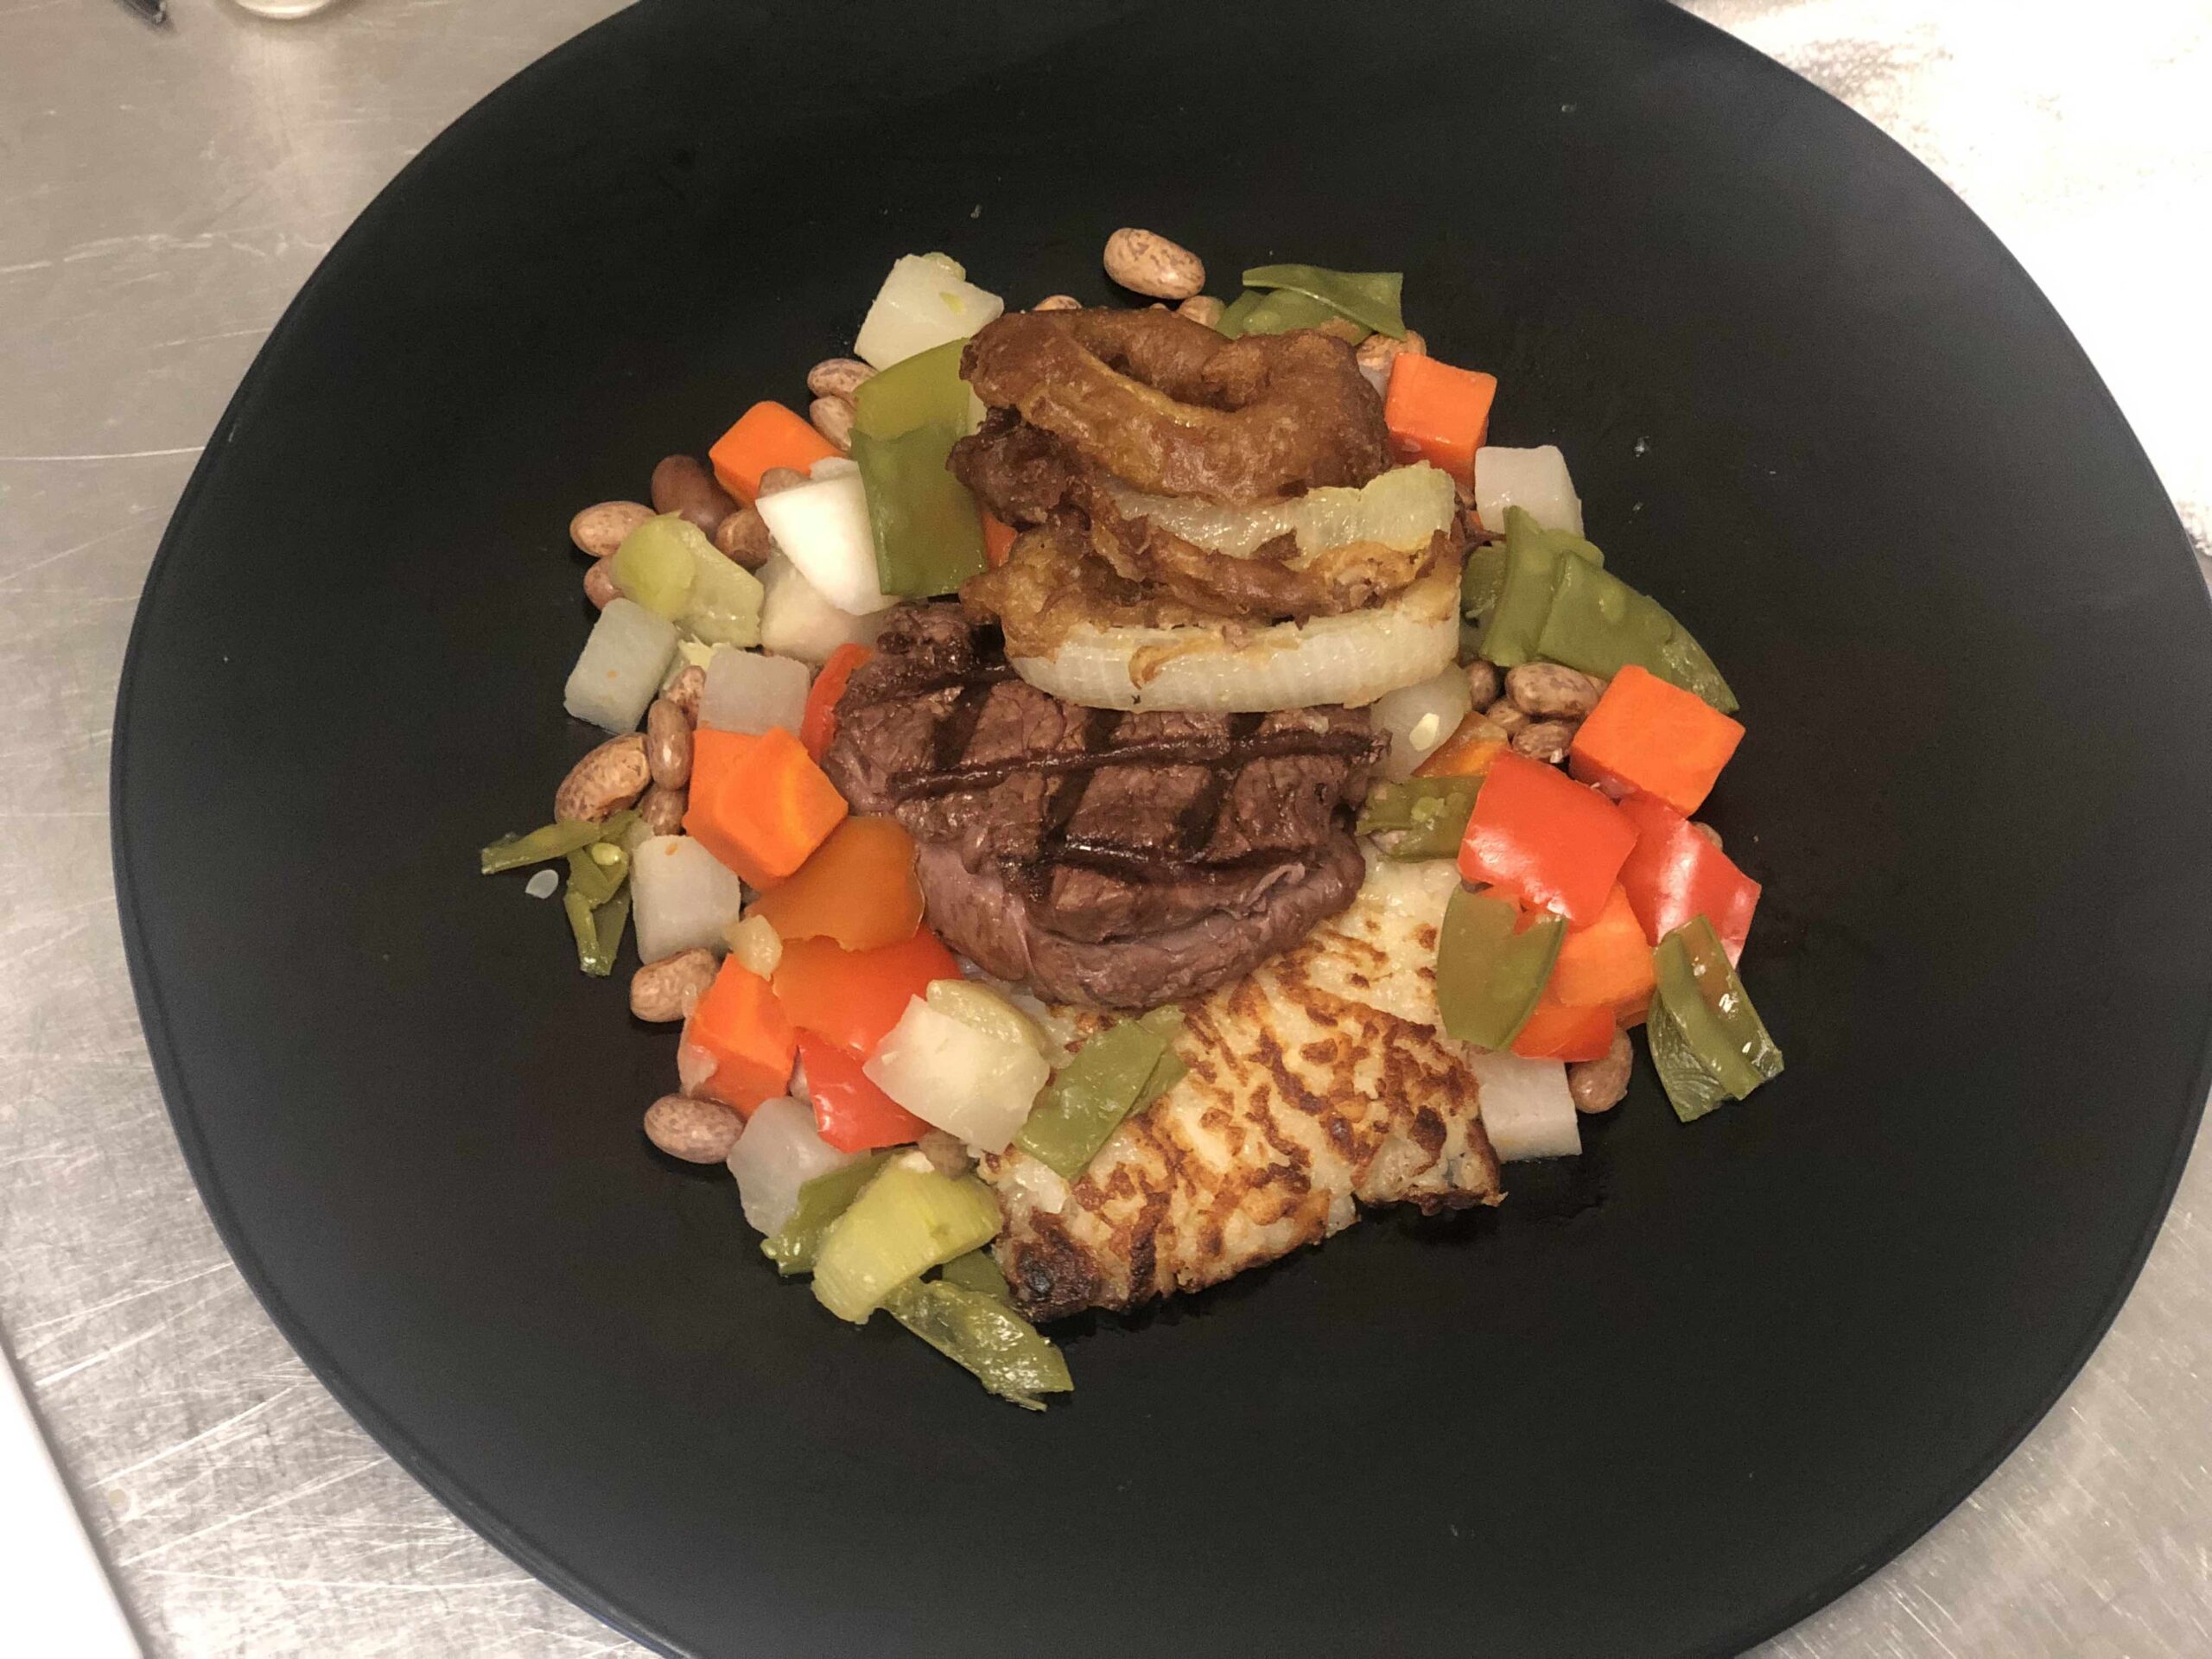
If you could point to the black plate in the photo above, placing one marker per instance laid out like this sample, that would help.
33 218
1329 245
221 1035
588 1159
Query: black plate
1669 1399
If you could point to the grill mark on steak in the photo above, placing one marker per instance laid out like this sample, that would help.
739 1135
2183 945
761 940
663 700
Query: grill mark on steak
1121 859
1226 754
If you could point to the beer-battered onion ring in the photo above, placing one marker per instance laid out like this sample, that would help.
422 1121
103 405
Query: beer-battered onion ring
1171 407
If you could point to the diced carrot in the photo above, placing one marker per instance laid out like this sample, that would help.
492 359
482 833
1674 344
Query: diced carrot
850 1112
1556 1031
998 540
743 1029
817 725
767 434
858 889
759 802
1438 414
1466 753
854 997
1608 963
1646 734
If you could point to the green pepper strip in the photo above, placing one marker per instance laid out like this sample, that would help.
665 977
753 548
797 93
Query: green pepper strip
1488 976
1089 1096
1707 1002
1429 815
976 1330
1370 298
929 534
820 1201
1533 559
554 840
1597 623
975 1271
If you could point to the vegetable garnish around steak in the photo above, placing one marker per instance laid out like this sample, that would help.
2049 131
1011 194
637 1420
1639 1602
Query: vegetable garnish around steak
1172 781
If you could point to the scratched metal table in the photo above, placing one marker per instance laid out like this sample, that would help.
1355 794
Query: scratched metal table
162 195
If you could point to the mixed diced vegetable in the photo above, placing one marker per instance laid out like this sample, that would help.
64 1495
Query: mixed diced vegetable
864 1074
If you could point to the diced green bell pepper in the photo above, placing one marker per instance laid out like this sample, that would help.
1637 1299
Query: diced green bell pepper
820 1201
1089 1096
982 1334
1488 976
1428 815
1533 559
929 534
1597 623
539 846
1370 298
1706 1004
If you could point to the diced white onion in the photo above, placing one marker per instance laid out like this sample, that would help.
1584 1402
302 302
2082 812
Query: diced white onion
1420 717
683 897
755 946
779 1154
619 671
1535 479
1353 658
956 1078
1401 509
822 527
796 621
748 692
927 301
1526 1109
693 1065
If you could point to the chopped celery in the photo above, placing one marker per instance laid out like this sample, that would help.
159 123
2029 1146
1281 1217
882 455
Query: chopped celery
820 1201
1090 1094
654 566
975 1271
903 1222
539 846
982 1334
1428 815
1370 298
929 534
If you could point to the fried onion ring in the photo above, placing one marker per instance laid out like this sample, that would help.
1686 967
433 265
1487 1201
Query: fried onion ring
1175 408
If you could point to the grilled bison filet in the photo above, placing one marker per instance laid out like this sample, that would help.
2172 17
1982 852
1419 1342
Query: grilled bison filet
1124 859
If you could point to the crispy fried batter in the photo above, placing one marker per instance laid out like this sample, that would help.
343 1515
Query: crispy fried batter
1171 407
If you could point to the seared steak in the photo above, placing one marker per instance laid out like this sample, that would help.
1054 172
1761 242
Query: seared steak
1124 859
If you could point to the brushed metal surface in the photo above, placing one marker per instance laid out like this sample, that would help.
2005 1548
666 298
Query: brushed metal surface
162 194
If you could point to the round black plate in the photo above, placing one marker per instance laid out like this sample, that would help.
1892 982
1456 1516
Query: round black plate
1668 1399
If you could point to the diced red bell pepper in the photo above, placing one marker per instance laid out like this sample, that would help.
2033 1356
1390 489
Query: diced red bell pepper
1547 842
854 997
852 1114
1675 875
1608 963
817 721
1557 1032
1646 734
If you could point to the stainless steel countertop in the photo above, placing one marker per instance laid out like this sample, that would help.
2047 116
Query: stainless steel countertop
162 194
